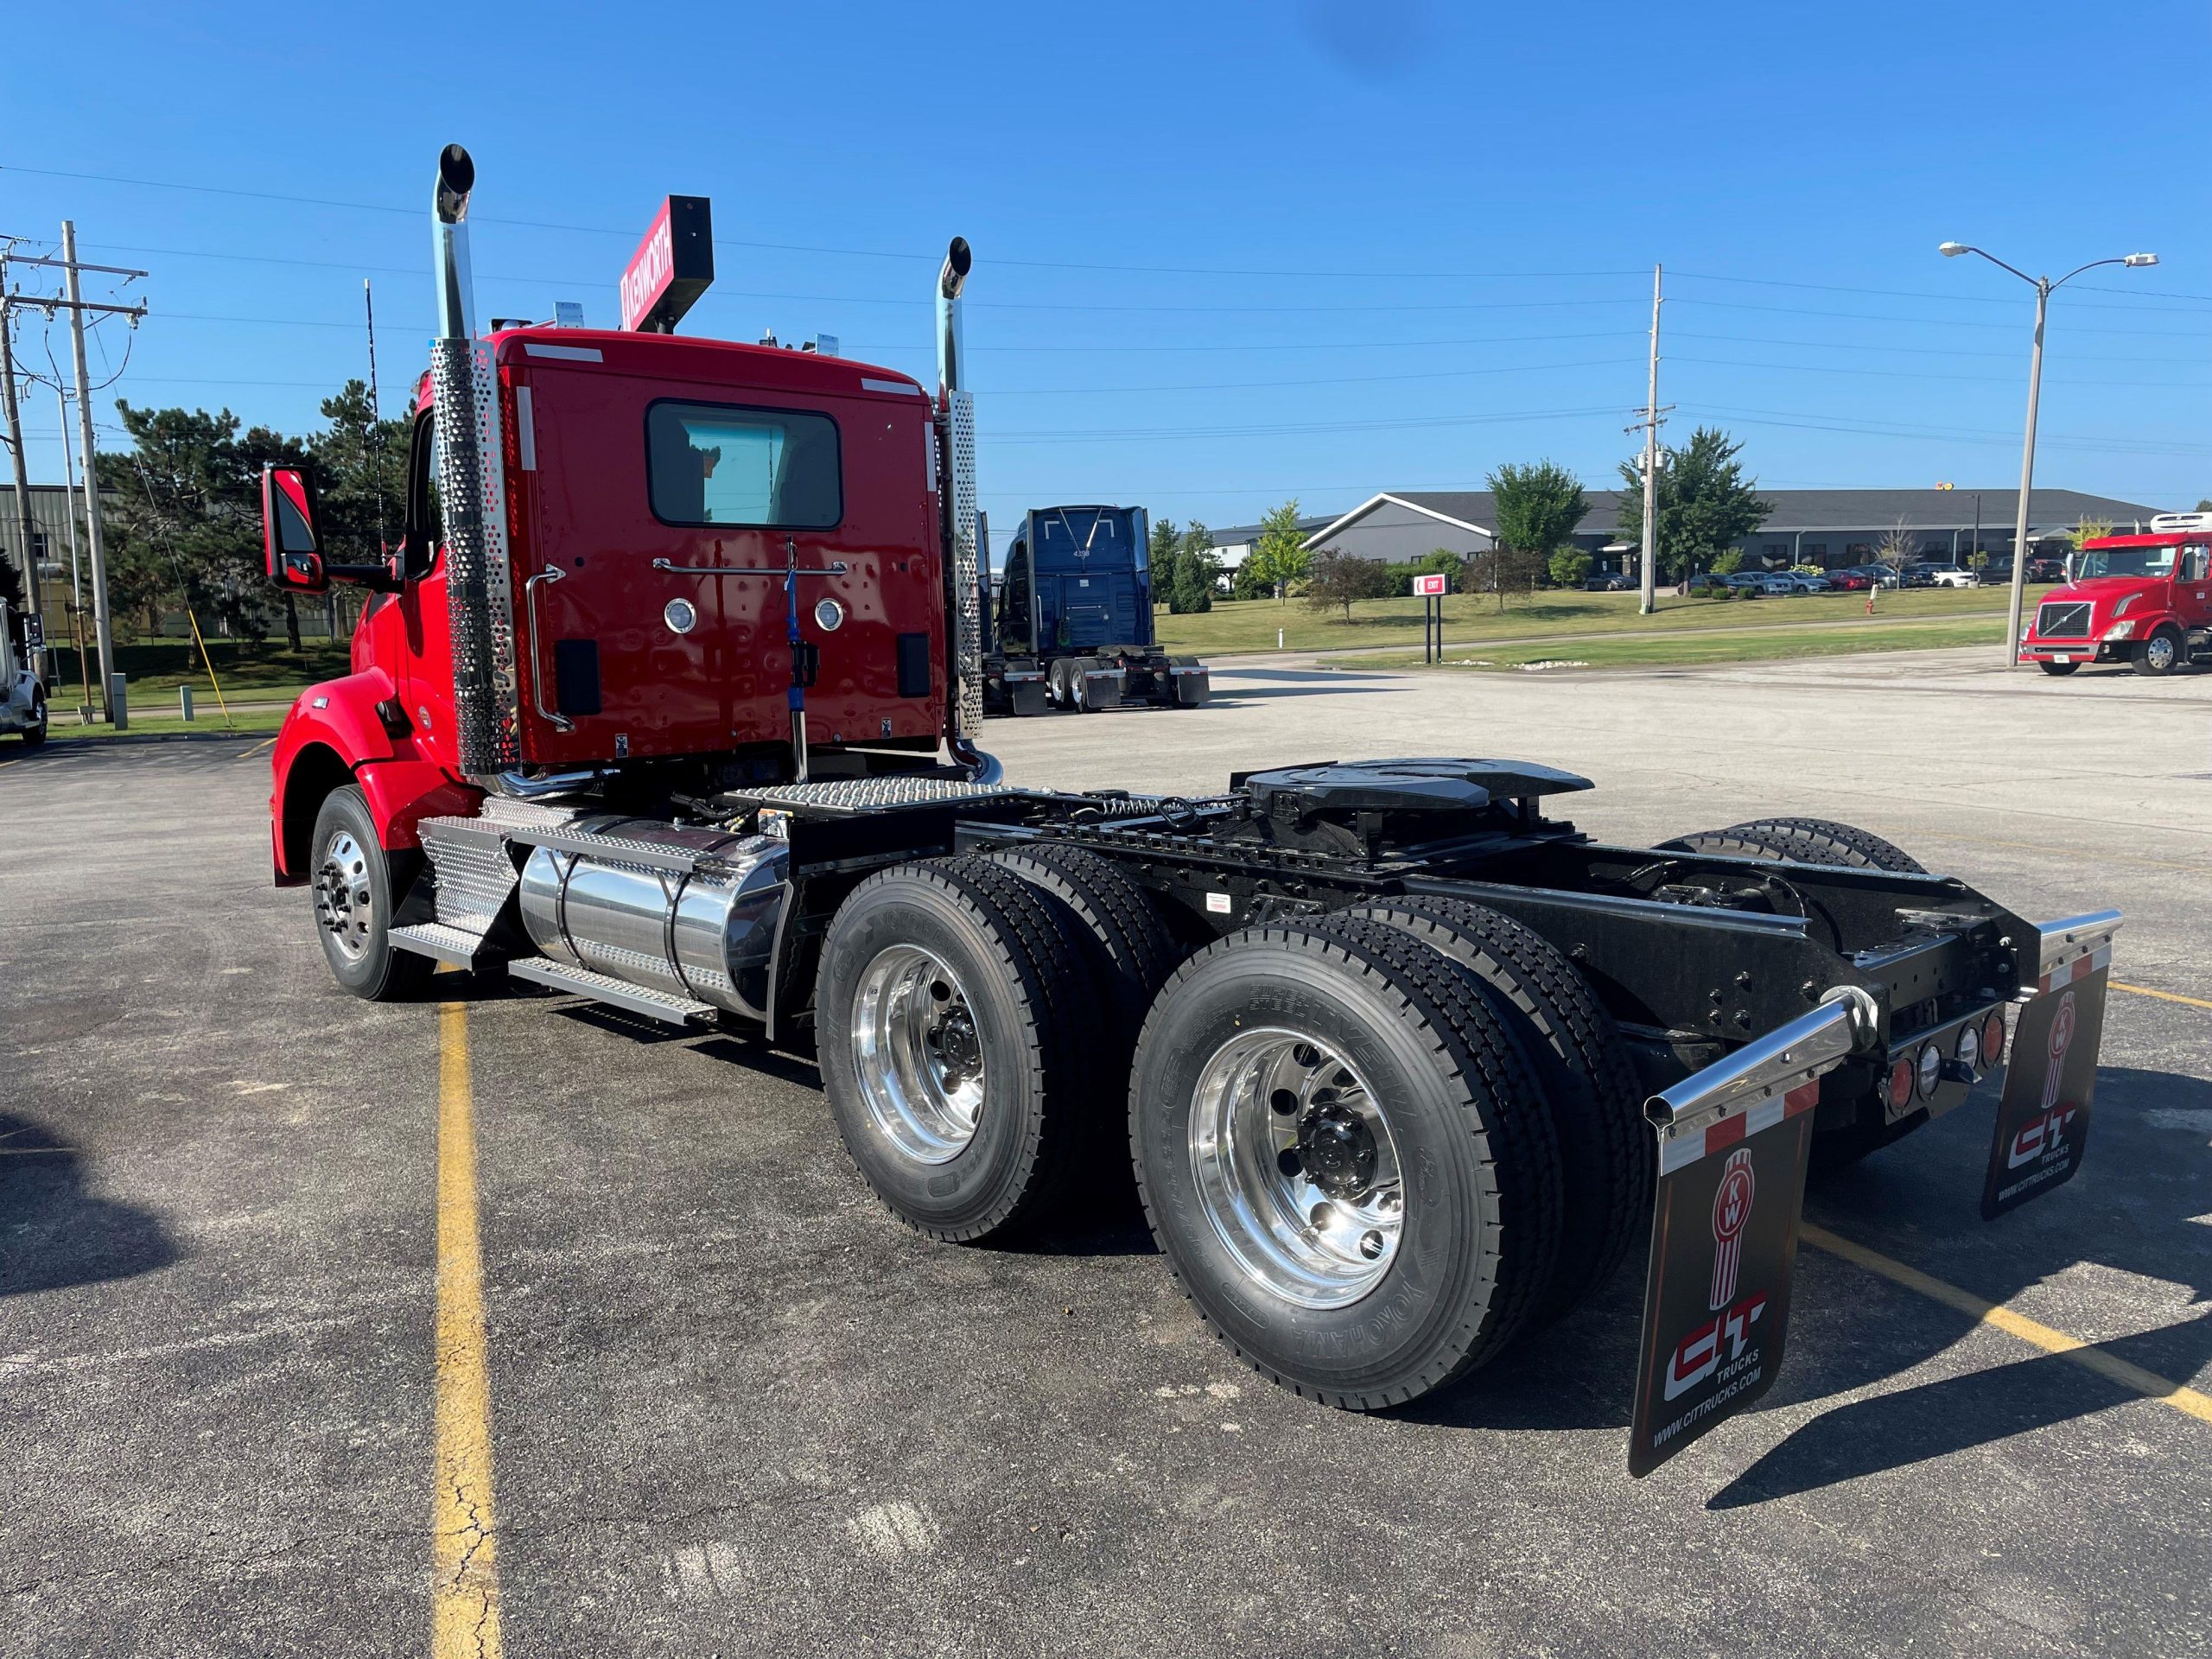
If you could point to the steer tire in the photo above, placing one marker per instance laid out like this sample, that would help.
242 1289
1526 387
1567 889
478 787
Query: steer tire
1019 963
2162 653
35 733
1480 1201
1801 841
347 856
2058 671
1608 1153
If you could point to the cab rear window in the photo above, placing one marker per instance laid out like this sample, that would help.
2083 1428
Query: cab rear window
749 469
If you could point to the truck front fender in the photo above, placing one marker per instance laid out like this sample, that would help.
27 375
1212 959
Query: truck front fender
333 736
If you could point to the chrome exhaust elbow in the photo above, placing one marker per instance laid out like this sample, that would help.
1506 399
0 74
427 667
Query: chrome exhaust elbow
449 244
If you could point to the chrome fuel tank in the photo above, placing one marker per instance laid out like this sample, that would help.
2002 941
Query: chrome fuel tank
706 933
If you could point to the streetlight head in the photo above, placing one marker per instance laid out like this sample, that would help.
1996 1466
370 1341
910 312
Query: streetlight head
1953 250
2141 259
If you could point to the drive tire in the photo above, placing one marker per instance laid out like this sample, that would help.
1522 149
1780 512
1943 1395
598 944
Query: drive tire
2058 671
1801 841
1480 1196
1020 969
2161 654
1608 1153
1135 952
346 855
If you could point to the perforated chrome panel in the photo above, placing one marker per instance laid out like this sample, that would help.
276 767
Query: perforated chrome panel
965 609
479 586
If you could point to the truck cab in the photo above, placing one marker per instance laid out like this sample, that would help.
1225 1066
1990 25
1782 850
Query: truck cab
2143 600
688 526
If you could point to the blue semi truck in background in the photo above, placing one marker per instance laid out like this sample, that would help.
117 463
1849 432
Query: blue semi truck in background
1070 625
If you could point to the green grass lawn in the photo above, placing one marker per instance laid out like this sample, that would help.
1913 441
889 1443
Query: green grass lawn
1250 625
249 673
62 726
1685 647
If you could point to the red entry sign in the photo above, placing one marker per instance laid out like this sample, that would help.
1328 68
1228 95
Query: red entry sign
672 267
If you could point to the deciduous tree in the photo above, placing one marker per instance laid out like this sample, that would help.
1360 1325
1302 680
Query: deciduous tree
1335 579
1705 502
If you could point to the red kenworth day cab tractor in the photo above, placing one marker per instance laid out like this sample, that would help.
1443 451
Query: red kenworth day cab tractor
2141 599
667 698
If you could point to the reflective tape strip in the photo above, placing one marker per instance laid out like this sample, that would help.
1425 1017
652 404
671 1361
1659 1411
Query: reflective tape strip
565 353
2081 968
1677 1150
868 383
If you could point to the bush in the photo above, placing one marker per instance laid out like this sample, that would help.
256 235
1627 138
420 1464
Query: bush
1728 563
1570 567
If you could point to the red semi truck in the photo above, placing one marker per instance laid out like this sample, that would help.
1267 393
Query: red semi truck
668 698
2146 600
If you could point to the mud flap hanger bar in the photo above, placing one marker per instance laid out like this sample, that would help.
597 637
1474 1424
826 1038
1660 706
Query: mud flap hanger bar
2065 943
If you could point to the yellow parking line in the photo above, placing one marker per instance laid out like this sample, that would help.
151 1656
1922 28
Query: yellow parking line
2149 1384
258 748
464 1579
2162 996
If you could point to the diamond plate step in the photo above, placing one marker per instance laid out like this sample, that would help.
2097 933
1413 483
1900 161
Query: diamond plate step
869 794
602 988
454 945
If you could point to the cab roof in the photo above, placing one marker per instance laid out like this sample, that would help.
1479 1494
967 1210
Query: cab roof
692 357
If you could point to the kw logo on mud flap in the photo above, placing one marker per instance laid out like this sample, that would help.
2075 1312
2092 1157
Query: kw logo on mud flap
1699 1354
2044 1135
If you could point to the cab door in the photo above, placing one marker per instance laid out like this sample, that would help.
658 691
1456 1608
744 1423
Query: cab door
2193 587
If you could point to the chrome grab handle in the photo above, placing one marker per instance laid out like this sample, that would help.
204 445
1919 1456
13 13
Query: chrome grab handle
559 722
674 568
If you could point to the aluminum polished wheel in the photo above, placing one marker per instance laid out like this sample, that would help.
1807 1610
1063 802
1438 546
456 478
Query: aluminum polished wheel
1296 1168
2158 650
343 901
917 1053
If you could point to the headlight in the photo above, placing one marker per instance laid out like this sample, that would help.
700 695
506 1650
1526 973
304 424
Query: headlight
2119 631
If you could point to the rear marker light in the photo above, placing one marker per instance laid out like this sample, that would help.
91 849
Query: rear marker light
1931 1070
1992 1037
1901 1084
1969 1048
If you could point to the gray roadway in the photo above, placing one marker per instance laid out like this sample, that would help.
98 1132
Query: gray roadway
738 1410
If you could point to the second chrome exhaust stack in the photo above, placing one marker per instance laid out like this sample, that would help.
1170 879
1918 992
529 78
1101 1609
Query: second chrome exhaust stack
965 553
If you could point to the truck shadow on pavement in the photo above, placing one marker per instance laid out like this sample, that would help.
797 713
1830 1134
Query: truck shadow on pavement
54 1232
2133 1211
1299 683
2130 1216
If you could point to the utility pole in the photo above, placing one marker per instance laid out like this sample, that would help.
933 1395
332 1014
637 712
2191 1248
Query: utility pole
1648 559
26 547
76 565
76 305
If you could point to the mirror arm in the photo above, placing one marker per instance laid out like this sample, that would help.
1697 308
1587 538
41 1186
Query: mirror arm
378 577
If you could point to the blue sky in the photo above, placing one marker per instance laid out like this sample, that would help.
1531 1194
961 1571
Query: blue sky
1225 253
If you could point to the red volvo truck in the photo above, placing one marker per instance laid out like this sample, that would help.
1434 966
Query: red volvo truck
668 699
2146 600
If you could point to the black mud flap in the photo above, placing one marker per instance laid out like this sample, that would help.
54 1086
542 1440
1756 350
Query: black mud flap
2043 1121
1734 1142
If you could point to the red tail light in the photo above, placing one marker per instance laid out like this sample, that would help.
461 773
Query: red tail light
1992 1037
1901 1085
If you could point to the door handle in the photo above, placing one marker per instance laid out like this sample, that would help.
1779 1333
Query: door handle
559 722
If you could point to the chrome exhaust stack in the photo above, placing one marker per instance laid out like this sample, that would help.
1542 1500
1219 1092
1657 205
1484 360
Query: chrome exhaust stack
965 552
478 603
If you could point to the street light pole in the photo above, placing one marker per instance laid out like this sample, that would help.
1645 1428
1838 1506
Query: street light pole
2044 288
2017 602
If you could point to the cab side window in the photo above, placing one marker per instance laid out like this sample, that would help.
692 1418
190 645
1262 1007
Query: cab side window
1013 601
419 547
2193 562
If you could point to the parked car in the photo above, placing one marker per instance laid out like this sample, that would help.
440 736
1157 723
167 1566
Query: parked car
1607 582
1853 579
1777 583
1935 575
1751 583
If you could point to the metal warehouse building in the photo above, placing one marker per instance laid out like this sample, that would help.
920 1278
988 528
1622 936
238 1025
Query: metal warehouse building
1828 528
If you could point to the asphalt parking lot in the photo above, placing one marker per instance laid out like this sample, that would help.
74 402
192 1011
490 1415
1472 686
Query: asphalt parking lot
735 1409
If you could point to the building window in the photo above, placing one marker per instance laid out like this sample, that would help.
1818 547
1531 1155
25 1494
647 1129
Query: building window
1859 551
1815 551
